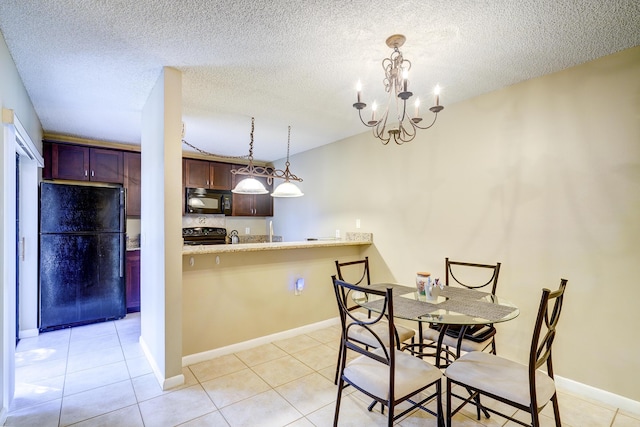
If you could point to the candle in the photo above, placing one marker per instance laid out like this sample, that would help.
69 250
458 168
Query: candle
405 76
417 107
359 89
436 91
373 111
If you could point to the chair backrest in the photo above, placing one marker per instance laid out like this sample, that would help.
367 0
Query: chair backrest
354 272
547 320
366 325
472 275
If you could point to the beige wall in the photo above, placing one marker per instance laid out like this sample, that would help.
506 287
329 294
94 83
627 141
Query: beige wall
161 223
249 295
543 176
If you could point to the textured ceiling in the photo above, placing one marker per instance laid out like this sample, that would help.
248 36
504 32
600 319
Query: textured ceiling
89 65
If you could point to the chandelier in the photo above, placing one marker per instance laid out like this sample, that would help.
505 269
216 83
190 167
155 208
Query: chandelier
251 185
396 82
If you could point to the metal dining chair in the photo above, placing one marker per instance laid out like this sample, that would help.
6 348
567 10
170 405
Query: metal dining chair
525 387
465 338
381 371
357 273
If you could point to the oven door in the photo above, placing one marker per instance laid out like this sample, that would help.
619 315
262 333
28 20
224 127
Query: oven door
203 201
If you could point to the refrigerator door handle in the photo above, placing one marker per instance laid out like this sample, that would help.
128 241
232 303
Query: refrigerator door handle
121 255
123 229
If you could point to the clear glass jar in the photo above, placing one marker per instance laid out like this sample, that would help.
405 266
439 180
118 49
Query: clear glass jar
423 281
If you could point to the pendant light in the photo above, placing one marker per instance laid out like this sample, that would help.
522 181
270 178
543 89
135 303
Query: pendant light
249 185
288 188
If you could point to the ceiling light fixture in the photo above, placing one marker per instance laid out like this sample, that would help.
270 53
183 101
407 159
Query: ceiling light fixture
396 70
287 188
251 185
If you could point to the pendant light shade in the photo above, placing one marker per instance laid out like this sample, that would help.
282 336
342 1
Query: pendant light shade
249 185
287 189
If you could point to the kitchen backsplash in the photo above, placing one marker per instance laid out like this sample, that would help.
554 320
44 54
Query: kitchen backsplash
203 221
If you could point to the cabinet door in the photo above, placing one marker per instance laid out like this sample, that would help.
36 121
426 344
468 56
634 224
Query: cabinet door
250 204
106 165
242 204
69 162
132 182
263 203
133 281
220 176
196 173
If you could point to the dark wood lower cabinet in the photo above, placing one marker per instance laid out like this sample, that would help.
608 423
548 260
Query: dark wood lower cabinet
133 281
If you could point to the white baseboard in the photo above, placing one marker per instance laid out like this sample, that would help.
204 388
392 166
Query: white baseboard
234 348
28 333
165 383
596 394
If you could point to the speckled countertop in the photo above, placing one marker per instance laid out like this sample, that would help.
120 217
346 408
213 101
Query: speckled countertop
350 240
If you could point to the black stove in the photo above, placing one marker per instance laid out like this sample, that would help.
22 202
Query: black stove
204 235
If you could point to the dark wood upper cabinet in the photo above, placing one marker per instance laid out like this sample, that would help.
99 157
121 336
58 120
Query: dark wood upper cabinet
67 162
106 165
205 174
132 182
80 163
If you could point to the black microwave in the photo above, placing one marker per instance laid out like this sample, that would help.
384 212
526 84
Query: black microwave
203 201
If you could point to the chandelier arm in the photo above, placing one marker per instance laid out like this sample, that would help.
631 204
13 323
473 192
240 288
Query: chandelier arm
435 117
379 130
374 123
406 135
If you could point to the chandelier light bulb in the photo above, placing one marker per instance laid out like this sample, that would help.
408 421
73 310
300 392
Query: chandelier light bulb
417 107
436 92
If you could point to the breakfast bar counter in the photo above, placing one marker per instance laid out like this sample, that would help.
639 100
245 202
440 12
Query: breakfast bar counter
253 247
237 294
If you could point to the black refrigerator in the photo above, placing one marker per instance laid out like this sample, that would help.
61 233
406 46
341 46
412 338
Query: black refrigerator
82 250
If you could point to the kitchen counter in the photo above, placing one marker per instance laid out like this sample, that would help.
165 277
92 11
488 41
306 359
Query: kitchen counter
350 240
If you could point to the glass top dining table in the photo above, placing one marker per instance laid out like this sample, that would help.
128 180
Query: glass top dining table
450 306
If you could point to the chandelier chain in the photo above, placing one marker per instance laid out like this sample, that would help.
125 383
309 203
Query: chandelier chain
221 156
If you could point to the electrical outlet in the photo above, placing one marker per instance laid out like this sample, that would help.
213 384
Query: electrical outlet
358 223
247 230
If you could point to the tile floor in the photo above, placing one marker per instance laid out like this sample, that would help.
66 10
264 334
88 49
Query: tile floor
96 375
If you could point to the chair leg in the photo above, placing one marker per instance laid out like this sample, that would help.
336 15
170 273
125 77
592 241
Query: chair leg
439 404
338 399
556 410
448 402
335 379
